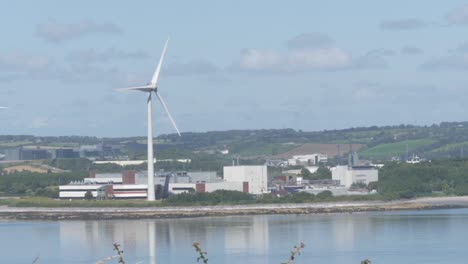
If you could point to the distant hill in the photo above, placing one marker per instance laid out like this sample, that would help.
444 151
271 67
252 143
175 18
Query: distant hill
330 149
444 140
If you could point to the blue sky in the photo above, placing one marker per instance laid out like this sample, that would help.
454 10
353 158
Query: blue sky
308 65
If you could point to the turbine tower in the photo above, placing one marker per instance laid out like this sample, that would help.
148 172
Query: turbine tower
149 89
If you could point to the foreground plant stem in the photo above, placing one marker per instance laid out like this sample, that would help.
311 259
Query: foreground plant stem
119 253
295 252
202 254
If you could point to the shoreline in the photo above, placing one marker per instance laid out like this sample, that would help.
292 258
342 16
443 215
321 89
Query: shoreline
124 213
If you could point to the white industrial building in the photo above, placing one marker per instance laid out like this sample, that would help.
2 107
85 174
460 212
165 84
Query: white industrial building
131 184
256 176
348 175
105 191
308 160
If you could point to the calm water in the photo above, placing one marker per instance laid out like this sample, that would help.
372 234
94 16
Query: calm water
397 237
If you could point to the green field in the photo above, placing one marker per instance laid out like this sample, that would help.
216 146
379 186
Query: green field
265 149
449 147
12 144
386 151
48 202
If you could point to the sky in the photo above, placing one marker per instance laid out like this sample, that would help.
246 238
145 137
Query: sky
309 65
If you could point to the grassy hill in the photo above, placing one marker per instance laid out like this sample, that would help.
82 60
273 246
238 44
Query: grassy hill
444 140
396 149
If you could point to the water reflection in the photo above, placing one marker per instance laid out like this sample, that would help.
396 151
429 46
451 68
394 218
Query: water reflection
422 237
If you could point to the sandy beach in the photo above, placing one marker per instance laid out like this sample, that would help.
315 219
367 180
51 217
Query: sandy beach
38 213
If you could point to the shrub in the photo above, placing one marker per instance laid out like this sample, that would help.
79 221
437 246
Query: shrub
324 195
301 197
88 195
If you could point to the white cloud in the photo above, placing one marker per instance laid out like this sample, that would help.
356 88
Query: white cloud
53 31
291 61
309 52
40 122
458 16
319 59
92 55
310 40
261 60
411 51
17 65
306 52
403 24
451 62
20 61
192 67
371 60
456 59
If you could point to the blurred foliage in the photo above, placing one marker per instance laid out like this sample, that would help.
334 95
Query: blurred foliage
36 184
403 180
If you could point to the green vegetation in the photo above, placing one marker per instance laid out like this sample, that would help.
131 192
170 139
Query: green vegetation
322 173
220 197
48 202
396 181
36 184
13 143
402 180
88 196
398 149
75 164
443 140
249 149
214 198
202 256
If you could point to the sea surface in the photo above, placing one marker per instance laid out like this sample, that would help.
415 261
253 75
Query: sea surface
432 236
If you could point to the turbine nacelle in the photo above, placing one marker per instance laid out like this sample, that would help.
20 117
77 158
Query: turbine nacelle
153 87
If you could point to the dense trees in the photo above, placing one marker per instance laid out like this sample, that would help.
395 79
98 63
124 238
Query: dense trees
74 164
30 183
88 196
402 180
322 173
216 197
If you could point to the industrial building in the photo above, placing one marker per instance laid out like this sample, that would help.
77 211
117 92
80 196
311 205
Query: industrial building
256 176
308 160
131 184
40 153
347 175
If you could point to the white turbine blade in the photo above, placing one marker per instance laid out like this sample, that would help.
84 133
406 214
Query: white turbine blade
167 112
154 80
3 107
145 88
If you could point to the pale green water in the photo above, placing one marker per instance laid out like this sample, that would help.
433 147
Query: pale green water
437 236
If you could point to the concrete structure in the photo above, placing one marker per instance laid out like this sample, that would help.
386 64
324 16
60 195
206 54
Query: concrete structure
130 184
34 154
203 176
65 153
256 176
228 186
106 191
120 162
308 160
12 154
348 175
276 163
335 190
177 188
40 153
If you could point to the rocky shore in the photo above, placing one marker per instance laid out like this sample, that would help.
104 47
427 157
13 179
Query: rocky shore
34 213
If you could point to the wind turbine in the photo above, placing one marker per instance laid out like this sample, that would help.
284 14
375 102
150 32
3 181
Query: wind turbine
149 89
3 107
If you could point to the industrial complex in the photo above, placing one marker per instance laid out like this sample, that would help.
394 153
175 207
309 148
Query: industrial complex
252 179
